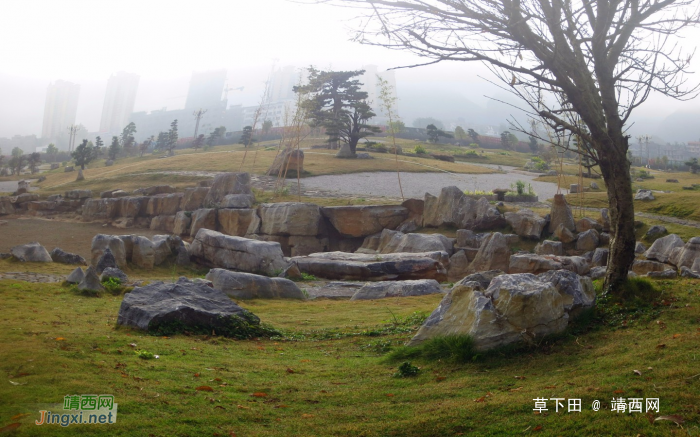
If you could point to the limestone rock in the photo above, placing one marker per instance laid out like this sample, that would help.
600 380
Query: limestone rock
482 278
550 247
586 224
604 239
112 272
662 249
194 198
218 250
186 302
130 206
587 240
163 223
395 241
238 201
182 256
487 217
238 222
644 195
60 256
363 267
25 198
384 289
666 274
560 214
597 272
530 263
470 239
6 206
240 285
696 265
642 267
290 218
361 221
688 273
600 257
513 308
164 204
225 184
101 241
163 248
90 281
577 291
688 254
32 252
155 190
654 232
459 266
97 209
106 260
526 223
494 254
182 223
292 272
451 208
76 276
203 219
564 234
288 163
604 220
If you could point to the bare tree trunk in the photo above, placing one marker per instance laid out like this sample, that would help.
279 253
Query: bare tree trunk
616 173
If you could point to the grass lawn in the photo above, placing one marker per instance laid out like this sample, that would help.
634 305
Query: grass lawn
335 378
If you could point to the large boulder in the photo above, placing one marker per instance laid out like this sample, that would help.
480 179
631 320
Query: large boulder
588 240
143 253
106 261
239 285
577 291
642 267
395 241
225 184
78 194
564 234
367 267
466 238
380 290
99 209
238 222
639 248
193 198
32 252
164 223
290 218
600 257
513 308
164 204
187 303
164 246
130 206
451 208
560 214
101 241
182 223
237 253
655 232
585 224
6 206
494 254
362 221
486 217
112 272
459 266
530 263
662 249
203 219
526 223
482 278
643 194
687 254
288 163
60 256
550 247
238 201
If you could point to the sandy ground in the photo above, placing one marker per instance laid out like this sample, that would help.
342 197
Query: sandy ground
415 185
71 237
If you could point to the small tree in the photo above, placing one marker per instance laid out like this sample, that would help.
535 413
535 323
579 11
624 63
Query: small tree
473 135
51 152
213 137
33 161
114 149
84 154
143 147
162 141
460 134
198 142
534 147
693 165
434 133
127 139
397 126
506 140
16 152
266 127
172 137
246 136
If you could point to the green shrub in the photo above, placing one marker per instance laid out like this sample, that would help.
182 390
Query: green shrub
407 370
419 150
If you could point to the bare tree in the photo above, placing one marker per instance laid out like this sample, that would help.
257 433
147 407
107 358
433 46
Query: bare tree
575 63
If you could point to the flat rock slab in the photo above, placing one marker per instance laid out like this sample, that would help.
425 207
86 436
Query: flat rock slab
239 285
237 253
367 267
380 290
185 302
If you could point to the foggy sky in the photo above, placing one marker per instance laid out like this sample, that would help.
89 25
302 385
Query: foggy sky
85 42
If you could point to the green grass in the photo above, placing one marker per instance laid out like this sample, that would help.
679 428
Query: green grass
56 343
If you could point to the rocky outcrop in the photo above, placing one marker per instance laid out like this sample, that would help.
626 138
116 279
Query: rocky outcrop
451 208
238 222
290 218
362 221
32 252
188 303
237 253
530 263
225 184
513 308
688 254
193 198
239 285
101 241
381 290
526 223
182 223
560 214
60 256
99 209
364 267
550 247
662 249
238 201
494 254
203 219
163 204
395 241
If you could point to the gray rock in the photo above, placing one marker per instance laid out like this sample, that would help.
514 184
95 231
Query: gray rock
32 252
290 218
662 249
688 254
594 186
451 208
238 201
600 257
598 272
687 273
106 260
76 276
194 198
550 247
526 223
60 256
240 285
588 240
90 282
563 234
225 184
531 263
395 241
186 302
654 232
560 214
639 248
466 238
101 241
641 267
364 155
291 272
238 222
604 239
182 257
577 291
604 219
585 223
384 289
482 278
6 206
459 266
494 254
112 272
644 195
366 267
203 219
218 250
155 190
78 194
666 274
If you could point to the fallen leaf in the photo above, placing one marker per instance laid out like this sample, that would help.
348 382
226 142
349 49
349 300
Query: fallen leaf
10 427
307 416
241 407
219 406
516 389
678 420
637 372
204 388
289 370
196 375
281 406
660 346
537 428
481 399
391 395
440 378
550 386
19 375
650 417
259 395
676 335
519 377
618 392
19 416
59 339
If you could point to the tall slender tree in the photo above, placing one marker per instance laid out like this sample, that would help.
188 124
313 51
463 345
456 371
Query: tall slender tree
172 138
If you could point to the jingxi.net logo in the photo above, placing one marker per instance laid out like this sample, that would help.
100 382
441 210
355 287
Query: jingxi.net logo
81 409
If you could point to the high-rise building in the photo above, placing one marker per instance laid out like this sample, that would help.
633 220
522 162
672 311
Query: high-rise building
119 102
206 89
60 109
